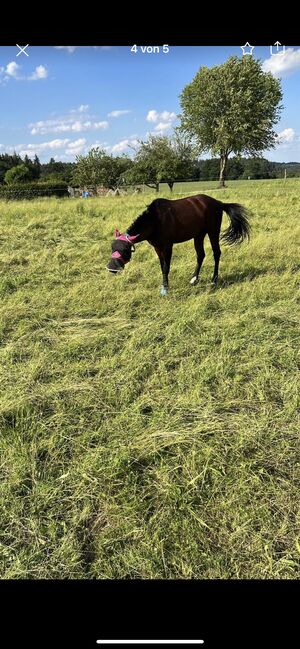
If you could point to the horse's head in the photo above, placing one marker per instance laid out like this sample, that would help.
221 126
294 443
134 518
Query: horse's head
122 247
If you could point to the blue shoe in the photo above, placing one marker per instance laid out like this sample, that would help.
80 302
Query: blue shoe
163 291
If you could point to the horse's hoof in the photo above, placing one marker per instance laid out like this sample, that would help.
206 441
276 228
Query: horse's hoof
194 280
163 291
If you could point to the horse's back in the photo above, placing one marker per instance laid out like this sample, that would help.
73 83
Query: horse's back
186 218
199 201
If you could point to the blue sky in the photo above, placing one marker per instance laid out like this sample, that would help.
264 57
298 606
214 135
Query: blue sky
60 101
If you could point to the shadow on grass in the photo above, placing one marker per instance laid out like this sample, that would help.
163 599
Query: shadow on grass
246 275
205 285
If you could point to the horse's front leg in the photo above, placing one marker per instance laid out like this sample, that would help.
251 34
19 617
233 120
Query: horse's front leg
165 257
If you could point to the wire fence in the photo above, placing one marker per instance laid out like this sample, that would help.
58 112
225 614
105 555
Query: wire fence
180 187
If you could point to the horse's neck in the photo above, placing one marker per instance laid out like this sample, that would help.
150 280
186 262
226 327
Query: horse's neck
143 226
143 235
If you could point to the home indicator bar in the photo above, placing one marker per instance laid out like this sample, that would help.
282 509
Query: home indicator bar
151 642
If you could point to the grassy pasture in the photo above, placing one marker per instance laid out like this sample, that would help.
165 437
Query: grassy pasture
202 186
140 436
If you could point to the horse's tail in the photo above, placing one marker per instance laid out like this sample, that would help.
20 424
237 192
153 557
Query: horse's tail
239 228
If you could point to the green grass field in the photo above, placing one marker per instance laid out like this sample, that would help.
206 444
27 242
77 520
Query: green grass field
197 186
148 437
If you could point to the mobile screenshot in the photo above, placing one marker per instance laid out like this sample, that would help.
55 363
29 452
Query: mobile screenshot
149 327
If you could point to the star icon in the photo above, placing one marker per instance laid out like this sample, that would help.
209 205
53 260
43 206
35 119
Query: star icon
246 49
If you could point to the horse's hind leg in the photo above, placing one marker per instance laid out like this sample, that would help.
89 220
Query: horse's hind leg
214 240
198 243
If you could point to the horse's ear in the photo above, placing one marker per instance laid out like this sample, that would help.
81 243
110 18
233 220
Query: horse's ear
117 233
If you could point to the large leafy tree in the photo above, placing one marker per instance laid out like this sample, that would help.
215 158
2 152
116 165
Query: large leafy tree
232 108
116 166
161 159
99 169
154 161
187 167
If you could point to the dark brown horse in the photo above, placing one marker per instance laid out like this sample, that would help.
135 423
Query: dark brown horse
166 222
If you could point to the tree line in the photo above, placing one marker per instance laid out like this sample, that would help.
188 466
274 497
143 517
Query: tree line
15 170
151 167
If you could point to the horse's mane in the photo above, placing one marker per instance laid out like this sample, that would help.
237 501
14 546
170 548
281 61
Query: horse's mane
140 221
151 212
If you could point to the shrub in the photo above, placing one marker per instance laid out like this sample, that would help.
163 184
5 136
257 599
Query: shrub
17 175
33 190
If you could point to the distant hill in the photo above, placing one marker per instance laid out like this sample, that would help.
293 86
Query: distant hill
293 168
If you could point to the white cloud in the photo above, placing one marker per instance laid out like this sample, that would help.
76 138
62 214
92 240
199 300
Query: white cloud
162 126
40 72
97 144
65 146
83 108
76 147
70 48
42 146
287 135
76 143
152 116
101 125
70 123
164 120
165 116
71 147
75 126
120 147
12 69
283 63
118 113
67 149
